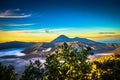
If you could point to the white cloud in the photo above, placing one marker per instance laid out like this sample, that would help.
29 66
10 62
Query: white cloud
53 30
22 16
13 14
41 30
106 33
19 24
17 9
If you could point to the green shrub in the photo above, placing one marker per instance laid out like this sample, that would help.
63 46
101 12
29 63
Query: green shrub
106 68
67 64
7 72
34 71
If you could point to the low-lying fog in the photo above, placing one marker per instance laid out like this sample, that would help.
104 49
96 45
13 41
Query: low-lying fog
13 51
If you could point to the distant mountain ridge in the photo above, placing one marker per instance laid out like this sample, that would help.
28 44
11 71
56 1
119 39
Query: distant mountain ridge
15 44
63 38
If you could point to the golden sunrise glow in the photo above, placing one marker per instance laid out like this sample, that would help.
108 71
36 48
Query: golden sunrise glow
6 36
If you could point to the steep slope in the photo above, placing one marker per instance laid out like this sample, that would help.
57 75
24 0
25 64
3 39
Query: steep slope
117 51
84 40
40 48
32 48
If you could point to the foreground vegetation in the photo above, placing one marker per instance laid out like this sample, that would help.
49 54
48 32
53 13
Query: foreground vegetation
68 64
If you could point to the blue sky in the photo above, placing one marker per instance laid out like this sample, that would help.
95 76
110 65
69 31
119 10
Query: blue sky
82 18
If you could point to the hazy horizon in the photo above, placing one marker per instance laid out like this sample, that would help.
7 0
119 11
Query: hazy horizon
102 41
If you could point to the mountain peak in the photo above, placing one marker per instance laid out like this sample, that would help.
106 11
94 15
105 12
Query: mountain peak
62 38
